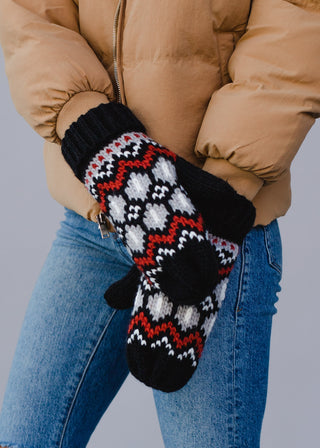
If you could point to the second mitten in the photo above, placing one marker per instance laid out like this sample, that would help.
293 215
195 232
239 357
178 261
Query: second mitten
134 180
166 340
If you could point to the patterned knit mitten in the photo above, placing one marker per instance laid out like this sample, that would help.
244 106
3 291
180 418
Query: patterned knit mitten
135 182
165 340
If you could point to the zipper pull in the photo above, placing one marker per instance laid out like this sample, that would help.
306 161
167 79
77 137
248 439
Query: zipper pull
102 224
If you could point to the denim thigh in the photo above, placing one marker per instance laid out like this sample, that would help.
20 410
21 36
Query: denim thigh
223 404
70 359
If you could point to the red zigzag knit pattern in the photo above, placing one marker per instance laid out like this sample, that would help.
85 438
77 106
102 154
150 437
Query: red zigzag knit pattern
135 181
165 340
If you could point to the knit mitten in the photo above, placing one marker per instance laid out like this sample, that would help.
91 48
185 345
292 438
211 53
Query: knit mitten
135 182
165 340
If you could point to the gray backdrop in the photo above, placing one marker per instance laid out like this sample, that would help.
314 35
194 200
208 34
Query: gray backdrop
29 220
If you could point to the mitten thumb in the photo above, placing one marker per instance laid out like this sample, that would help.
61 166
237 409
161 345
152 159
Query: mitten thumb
121 294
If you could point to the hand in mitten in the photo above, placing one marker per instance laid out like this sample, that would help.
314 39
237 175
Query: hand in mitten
165 340
134 180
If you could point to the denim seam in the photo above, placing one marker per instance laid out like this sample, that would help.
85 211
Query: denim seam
240 291
84 374
272 263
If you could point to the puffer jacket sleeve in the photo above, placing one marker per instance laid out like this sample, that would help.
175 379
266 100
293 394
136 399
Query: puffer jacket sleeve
254 125
54 75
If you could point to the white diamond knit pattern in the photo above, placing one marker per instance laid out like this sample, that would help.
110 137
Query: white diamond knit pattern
147 200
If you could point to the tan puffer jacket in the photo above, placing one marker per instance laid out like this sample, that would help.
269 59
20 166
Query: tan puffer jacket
233 86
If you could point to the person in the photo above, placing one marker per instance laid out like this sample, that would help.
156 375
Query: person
219 97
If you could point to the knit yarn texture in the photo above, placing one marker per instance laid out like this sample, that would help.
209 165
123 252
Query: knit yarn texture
135 181
166 340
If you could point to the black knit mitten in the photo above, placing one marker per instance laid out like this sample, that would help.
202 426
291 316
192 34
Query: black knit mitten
134 180
165 340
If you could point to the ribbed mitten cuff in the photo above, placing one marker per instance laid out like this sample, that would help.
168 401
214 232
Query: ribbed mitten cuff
94 130
226 213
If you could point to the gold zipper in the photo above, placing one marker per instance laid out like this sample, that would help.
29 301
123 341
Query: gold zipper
114 39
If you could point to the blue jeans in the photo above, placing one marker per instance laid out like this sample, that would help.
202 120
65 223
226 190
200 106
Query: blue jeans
70 359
